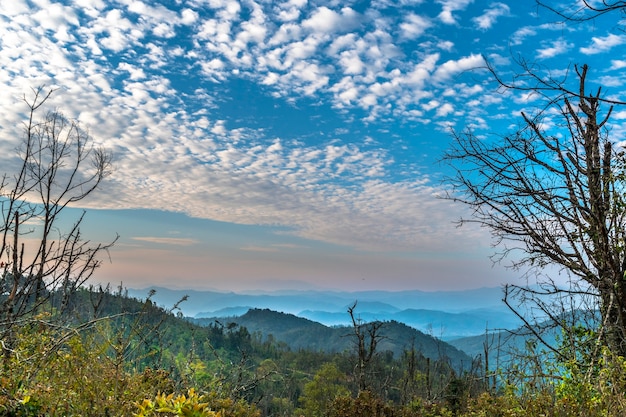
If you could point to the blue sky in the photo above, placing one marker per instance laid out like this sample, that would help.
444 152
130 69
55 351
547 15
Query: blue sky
288 144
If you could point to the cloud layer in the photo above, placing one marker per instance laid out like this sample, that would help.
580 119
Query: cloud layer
162 86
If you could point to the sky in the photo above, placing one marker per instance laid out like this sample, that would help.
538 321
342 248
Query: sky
266 145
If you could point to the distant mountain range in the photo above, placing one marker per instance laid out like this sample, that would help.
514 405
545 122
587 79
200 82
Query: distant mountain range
445 314
459 325
300 333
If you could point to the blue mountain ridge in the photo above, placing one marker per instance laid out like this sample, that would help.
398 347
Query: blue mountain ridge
444 314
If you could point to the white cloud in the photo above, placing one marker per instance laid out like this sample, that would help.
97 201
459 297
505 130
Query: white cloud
91 8
154 14
300 51
287 32
188 17
414 26
611 81
454 66
15 8
136 73
252 33
445 110
422 71
556 47
603 44
214 69
313 76
54 16
489 17
617 64
215 31
164 30
271 79
445 45
351 62
290 10
432 104
227 9
527 97
118 29
448 7
326 20
521 34
342 42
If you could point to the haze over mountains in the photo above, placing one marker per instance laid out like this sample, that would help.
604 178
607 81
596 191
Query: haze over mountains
445 314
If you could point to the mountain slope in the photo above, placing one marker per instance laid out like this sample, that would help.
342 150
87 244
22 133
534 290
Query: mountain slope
303 334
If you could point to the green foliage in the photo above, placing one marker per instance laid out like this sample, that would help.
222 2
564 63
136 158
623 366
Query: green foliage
194 405
582 383
190 405
368 404
327 384
229 407
116 366
77 378
365 404
598 389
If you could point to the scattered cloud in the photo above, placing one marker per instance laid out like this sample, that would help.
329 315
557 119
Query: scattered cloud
490 15
518 37
611 81
617 64
448 7
603 44
455 66
325 20
414 26
554 48
190 97
445 110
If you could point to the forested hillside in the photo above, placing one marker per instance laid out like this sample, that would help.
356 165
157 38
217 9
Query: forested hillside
131 350
301 334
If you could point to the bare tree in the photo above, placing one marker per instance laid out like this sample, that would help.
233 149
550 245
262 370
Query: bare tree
556 199
57 166
367 336
584 10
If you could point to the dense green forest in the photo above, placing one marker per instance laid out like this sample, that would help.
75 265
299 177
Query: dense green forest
298 333
109 353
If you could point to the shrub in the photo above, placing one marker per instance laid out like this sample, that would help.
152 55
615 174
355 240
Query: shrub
194 405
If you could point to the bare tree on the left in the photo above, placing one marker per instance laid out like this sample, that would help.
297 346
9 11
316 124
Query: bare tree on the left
55 166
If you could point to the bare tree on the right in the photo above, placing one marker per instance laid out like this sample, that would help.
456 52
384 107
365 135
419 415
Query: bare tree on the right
553 195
